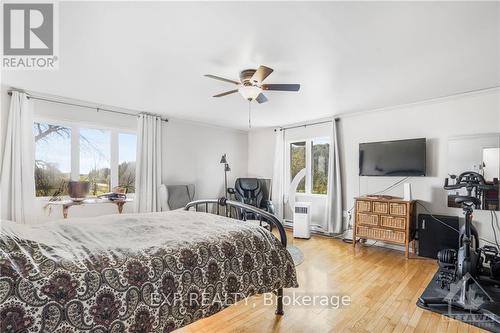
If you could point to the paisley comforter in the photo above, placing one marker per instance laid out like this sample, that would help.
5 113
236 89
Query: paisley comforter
133 273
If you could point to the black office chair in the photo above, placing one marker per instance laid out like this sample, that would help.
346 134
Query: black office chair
254 192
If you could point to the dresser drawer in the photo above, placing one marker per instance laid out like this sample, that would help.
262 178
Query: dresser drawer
380 207
393 222
397 209
363 206
381 234
367 219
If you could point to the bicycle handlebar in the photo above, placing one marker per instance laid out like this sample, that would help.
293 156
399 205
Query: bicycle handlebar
469 179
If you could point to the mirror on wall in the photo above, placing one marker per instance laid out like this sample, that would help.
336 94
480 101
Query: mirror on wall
481 154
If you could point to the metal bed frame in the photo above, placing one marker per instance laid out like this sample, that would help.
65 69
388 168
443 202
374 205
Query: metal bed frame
238 210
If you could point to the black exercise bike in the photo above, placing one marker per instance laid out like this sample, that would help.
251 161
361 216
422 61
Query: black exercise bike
460 270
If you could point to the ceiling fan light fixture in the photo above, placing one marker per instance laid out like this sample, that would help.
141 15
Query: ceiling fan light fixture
251 86
250 92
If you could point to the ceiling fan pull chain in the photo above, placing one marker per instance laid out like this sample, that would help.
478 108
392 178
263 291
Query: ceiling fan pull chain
249 114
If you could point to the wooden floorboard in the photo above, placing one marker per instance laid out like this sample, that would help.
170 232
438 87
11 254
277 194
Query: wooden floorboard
382 284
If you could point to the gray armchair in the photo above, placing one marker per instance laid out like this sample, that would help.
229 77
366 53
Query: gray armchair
176 196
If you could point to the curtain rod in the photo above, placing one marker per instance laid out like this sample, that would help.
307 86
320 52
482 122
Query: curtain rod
305 125
98 109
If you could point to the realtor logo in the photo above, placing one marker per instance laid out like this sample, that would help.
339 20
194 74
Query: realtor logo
29 36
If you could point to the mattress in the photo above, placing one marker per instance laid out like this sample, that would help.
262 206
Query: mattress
134 272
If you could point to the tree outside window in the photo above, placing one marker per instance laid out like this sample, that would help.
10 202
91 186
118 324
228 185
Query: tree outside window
312 154
320 153
95 159
53 159
298 162
126 166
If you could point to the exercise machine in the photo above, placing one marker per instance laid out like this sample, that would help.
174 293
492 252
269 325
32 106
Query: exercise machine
460 271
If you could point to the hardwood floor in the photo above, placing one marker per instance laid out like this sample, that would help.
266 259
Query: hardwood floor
383 287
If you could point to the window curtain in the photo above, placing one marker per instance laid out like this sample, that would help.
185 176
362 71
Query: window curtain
334 219
278 173
17 180
149 163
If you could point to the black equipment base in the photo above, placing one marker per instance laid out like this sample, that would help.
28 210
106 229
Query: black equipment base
434 236
433 290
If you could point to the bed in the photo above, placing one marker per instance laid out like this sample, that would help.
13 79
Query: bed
151 272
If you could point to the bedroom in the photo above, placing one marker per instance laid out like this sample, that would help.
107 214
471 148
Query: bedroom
337 126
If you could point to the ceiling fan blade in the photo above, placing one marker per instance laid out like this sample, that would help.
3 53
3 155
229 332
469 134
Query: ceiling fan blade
261 98
221 79
226 93
281 87
261 73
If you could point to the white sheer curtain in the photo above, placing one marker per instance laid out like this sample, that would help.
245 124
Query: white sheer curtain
278 173
149 163
335 224
17 180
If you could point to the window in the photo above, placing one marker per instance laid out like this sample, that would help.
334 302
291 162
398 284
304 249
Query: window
298 162
126 166
95 159
52 159
313 155
320 152
103 157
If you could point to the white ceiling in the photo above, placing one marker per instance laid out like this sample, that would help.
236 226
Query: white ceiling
347 56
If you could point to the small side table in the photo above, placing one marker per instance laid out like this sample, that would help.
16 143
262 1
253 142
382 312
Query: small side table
66 204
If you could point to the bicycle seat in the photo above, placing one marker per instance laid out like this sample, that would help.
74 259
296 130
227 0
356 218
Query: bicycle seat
467 201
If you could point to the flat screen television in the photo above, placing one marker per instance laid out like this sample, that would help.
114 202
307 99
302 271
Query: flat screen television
393 158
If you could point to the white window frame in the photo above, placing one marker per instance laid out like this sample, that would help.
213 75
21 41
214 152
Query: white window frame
75 146
308 178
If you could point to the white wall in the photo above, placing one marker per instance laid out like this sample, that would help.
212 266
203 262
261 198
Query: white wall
261 153
191 155
436 120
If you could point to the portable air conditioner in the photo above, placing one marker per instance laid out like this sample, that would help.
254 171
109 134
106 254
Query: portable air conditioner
302 220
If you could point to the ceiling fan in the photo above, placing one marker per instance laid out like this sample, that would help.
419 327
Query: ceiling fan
251 86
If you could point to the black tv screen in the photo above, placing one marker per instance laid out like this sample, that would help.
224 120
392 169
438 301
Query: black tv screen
392 158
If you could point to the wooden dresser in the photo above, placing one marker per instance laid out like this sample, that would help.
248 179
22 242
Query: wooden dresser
387 220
